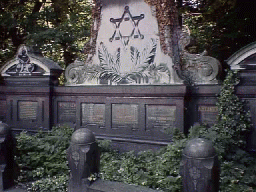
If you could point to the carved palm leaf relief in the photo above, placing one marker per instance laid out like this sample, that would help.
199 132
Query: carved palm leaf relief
142 66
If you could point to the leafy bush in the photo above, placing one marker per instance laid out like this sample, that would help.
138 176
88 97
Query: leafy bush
43 155
158 170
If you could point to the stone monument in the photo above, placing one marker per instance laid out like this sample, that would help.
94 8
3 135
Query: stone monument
139 42
29 78
200 167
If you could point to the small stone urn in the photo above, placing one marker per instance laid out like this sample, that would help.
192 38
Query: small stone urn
199 167
83 158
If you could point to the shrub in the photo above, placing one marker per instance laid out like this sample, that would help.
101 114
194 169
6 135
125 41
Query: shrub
43 155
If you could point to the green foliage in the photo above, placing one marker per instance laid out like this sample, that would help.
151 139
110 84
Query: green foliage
229 136
158 170
43 156
219 26
58 27
53 184
234 123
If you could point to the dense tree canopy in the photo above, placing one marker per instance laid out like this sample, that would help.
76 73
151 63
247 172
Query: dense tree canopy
58 27
220 26
61 27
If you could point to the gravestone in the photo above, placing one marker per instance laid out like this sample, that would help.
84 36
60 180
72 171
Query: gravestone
199 168
29 79
125 47
135 69
139 42
84 159
132 87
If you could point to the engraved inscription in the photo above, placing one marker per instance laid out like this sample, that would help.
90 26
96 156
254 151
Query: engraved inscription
160 117
66 112
125 116
93 114
208 114
27 110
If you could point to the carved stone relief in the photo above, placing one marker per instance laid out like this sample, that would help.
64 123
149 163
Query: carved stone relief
197 68
133 52
28 62
24 67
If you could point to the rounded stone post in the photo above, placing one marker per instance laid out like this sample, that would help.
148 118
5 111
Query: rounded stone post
200 167
83 158
6 157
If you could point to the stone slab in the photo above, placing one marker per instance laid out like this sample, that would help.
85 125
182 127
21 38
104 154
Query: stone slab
110 186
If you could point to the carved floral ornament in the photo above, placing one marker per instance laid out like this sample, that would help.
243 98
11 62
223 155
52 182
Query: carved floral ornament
143 69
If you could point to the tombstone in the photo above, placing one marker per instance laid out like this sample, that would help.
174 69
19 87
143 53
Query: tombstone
132 88
200 169
83 158
135 73
138 42
29 79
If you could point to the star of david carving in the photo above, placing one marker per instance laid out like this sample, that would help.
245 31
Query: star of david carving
126 27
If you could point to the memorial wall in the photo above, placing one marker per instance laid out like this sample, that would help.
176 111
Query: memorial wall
137 85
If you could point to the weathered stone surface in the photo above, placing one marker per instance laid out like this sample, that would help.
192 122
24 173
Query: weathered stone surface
127 49
199 167
29 63
83 158
197 69
108 186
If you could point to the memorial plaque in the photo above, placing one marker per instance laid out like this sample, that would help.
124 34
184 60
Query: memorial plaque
160 117
125 116
27 110
3 109
208 114
93 114
66 112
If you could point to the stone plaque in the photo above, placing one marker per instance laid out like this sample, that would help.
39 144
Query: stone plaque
66 112
160 117
27 110
3 108
93 114
208 114
125 116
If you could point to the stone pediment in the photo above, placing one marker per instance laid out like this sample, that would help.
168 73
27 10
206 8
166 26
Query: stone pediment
28 63
245 58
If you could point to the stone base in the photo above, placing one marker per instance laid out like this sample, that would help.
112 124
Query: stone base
108 186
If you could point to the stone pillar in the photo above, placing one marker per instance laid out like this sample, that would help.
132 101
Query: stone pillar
6 157
83 158
199 167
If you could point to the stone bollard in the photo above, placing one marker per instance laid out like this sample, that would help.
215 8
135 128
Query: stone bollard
200 167
6 157
83 158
